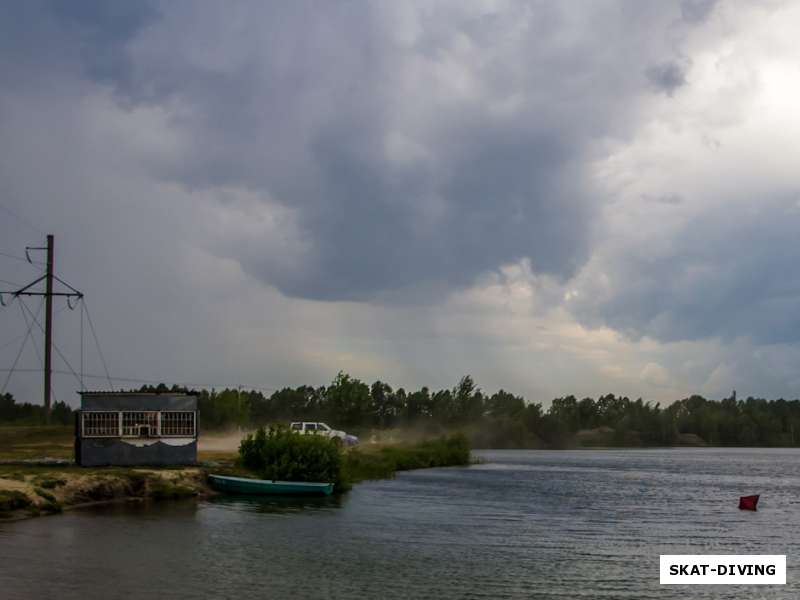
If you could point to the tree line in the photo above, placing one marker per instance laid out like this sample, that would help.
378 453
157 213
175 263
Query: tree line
498 420
26 413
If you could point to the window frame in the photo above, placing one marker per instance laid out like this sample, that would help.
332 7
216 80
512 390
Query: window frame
193 414
100 423
89 415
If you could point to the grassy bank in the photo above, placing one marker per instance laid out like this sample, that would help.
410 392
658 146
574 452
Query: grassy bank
37 488
32 490
384 461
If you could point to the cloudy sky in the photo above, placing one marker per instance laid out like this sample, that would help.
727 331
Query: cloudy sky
555 197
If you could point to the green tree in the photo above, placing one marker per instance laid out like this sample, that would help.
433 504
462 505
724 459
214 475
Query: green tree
348 401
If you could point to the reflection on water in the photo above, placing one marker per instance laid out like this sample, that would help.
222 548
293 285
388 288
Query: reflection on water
523 524
279 504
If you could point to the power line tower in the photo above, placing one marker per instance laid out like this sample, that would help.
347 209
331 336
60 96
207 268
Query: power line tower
48 295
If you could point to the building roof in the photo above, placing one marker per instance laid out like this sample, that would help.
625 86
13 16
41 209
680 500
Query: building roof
115 393
138 401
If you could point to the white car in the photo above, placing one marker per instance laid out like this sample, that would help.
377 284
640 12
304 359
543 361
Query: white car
317 428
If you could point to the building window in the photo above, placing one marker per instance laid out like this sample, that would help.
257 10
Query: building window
100 424
177 423
140 424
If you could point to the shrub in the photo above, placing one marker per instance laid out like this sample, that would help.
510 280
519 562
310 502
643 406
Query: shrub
280 454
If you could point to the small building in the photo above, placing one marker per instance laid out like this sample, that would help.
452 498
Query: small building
132 428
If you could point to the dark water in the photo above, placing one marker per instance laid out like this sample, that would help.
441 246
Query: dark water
525 524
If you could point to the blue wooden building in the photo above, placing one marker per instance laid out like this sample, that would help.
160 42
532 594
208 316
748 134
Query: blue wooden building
133 428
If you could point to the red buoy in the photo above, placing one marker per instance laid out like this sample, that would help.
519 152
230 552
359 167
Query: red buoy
748 502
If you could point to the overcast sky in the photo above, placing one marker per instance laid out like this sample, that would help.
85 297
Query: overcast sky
555 197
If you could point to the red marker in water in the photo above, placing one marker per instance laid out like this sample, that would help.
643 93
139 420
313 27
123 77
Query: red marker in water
748 502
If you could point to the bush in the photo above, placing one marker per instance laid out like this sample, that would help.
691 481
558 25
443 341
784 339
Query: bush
280 454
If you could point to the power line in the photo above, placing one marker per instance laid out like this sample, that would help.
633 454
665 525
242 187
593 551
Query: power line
16 360
55 346
14 256
22 219
48 295
186 384
97 343
9 342
22 308
22 335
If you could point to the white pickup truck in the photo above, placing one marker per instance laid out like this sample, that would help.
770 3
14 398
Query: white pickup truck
317 428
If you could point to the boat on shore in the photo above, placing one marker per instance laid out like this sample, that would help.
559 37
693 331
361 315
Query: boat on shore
266 487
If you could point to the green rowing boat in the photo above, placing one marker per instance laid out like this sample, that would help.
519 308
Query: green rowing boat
241 485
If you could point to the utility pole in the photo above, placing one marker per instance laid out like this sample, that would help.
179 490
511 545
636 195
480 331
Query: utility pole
48 327
48 294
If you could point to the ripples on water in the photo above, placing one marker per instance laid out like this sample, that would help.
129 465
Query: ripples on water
523 524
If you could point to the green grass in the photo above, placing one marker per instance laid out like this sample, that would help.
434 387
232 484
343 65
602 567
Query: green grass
383 462
22 442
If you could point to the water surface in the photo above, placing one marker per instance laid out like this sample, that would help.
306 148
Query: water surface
523 524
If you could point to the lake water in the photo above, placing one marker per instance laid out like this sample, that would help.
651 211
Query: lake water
523 524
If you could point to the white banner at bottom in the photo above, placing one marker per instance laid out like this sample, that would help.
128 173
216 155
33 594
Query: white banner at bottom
723 569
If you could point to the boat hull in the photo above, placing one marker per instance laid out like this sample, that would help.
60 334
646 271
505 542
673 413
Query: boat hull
264 487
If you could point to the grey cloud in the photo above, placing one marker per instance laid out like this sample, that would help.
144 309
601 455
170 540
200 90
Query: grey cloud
696 11
670 199
666 77
408 156
101 30
40 39
299 104
729 274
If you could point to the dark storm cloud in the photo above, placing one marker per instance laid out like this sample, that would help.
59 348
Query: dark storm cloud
101 30
666 77
304 103
41 38
730 274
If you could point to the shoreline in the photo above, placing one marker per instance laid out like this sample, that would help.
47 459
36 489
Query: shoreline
31 488
28 490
